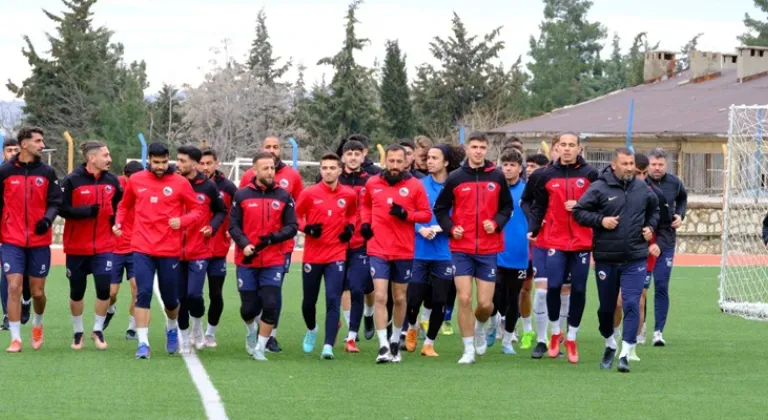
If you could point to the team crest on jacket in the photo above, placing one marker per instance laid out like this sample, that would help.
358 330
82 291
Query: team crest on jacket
167 191
307 268
275 204
580 183
491 187
39 181
601 275
403 192
342 202
108 189
201 198
551 252
284 183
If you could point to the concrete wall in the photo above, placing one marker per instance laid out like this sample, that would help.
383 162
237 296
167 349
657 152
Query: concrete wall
752 62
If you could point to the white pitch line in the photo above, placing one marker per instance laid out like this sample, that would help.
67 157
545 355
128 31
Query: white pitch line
214 408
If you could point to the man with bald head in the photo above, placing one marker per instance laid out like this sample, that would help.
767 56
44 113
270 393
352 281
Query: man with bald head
288 179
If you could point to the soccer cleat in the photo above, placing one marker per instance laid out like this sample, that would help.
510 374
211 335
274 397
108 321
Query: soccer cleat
210 341
98 340
633 355
172 341
658 339
197 338
309 341
77 341
15 347
490 340
327 353
539 350
107 319
623 365
5 326
572 351
446 328
250 343
428 350
554 345
394 350
508 349
142 352
37 337
351 347
130 335
515 338
480 344
389 330
384 356
368 328
607 361
25 311
258 354
273 346
185 347
401 342
411 339
527 340
467 358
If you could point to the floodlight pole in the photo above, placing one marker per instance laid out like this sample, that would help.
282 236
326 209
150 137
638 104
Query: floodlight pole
295 147
630 121
143 150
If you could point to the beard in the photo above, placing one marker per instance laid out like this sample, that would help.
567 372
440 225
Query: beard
393 178
269 183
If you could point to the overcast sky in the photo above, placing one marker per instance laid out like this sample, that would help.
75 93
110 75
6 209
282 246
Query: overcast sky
175 37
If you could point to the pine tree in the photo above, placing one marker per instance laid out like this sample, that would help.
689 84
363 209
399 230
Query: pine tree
166 115
615 77
635 59
260 59
395 97
757 31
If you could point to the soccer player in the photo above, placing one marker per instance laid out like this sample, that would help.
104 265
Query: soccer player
91 196
122 259
482 206
568 244
392 203
410 157
432 264
196 247
623 213
288 179
11 149
262 218
26 229
677 200
163 204
326 213
220 243
423 144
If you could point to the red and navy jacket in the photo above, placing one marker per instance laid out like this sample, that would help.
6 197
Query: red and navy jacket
194 245
394 239
555 185
84 234
475 195
286 178
334 209
123 242
262 211
154 201
221 240
30 193
356 181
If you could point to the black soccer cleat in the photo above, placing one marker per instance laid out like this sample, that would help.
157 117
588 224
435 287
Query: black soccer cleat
401 343
5 326
539 351
623 365
607 361
273 346
107 319
25 309
384 356
130 335
369 329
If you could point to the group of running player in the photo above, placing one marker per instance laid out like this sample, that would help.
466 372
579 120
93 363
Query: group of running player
388 243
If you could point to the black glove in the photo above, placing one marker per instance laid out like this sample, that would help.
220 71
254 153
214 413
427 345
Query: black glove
95 210
346 235
398 211
366 231
264 241
42 226
314 230
247 260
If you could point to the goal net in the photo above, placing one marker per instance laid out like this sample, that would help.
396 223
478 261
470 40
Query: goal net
744 263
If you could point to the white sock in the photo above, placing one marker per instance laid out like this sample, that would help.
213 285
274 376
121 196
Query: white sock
143 334
98 323
346 317
262 343
171 324
184 335
111 309
429 342
480 326
507 338
314 330
396 331
132 323
527 327
425 314
37 319
572 331
211 330
382 334
626 348
565 304
257 320
252 327
555 327
611 342
540 314
26 302
77 323
352 336
469 344
197 324
273 333
15 327
617 332
412 326
368 310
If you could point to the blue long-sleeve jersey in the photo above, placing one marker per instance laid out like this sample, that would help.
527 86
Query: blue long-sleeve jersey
436 249
515 254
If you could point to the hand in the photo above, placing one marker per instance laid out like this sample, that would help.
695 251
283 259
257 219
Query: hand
42 226
314 230
227 235
174 223
436 228
116 230
427 233
654 250
531 238
458 232
264 241
610 223
677 221
569 205
207 231
95 210
489 226
647 234
398 211
346 235
249 250
366 231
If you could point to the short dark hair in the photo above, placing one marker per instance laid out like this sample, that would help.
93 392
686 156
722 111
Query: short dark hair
537 158
352 145
626 151
570 133
394 148
193 152
25 133
641 161
510 140
657 153
359 137
479 136
512 155
90 146
405 142
331 156
157 149
262 155
9 142
210 152
132 167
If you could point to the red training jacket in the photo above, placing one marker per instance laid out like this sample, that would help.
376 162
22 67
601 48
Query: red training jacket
123 242
195 246
557 184
356 181
393 239
221 240
154 201
475 195
651 264
332 208
258 211
30 193
83 233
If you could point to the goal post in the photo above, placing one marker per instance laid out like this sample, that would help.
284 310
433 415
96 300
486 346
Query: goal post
744 261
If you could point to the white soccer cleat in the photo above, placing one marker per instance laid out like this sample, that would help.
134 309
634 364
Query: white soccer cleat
197 339
250 343
258 354
658 339
467 358
514 337
210 341
186 347
384 355
481 344
633 355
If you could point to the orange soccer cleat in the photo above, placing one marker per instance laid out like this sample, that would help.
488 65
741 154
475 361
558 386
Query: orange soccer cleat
410 339
572 351
351 347
428 350
554 345
37 337
15 347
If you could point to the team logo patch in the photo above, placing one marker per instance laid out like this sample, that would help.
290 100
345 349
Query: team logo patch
239 283
201 198
6 267
551 252
108 189
167 191
407 274
275 204
601 275
669 262
39 181
373 271
580 183
69 273
42 269
342 202
535 271
448 271
403 192
491 187
109 266
307 268
284 183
